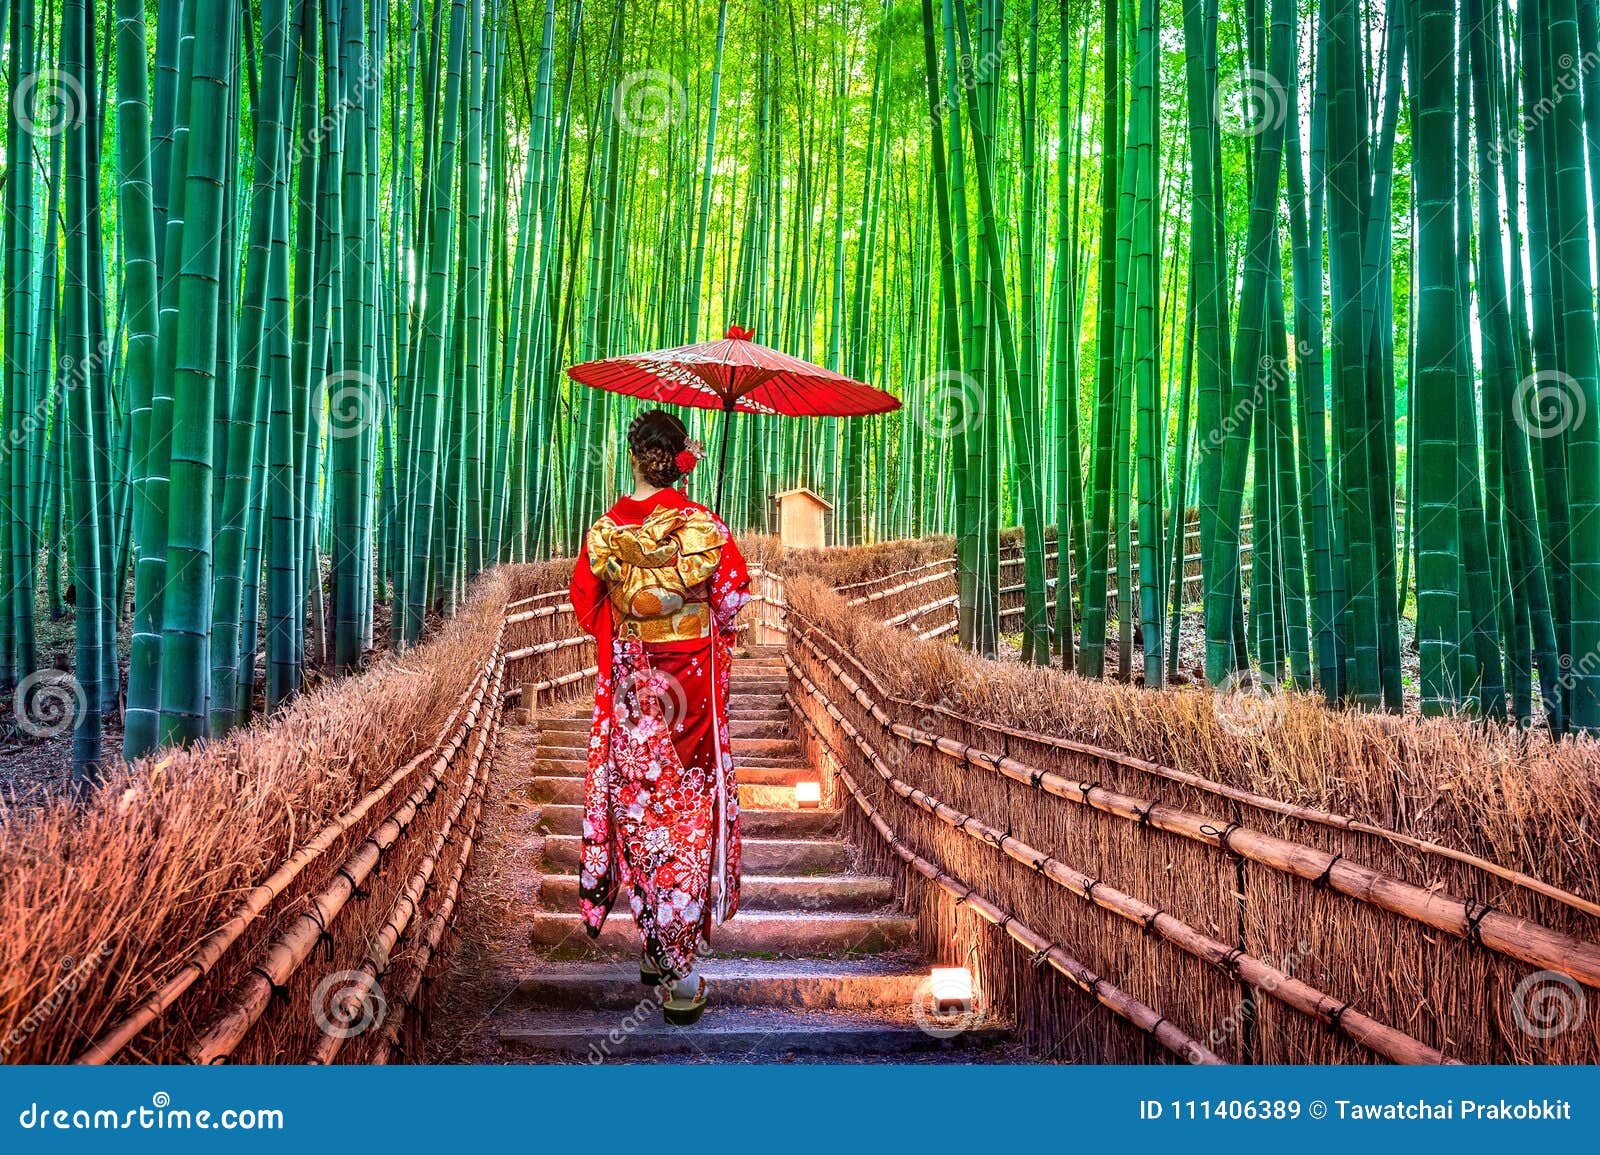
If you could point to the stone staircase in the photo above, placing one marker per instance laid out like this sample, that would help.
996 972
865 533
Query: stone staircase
819 962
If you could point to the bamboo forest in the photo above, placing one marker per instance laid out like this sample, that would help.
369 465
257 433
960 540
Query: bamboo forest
1262 332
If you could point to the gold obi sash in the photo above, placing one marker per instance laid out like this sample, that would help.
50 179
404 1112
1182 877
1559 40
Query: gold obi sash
657 574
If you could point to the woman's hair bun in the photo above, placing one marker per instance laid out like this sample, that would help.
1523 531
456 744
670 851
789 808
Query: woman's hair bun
655 438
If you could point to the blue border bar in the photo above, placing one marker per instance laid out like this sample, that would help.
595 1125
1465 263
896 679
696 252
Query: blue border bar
782 1108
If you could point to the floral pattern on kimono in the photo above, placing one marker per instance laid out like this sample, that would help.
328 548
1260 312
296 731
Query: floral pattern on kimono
660 823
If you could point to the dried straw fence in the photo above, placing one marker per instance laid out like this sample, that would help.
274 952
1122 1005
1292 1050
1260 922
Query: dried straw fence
1309 887
284 895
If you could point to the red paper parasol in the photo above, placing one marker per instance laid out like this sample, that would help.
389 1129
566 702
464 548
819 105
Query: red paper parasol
735 374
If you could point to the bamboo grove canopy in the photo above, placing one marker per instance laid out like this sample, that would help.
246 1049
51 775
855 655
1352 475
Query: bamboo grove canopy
288 288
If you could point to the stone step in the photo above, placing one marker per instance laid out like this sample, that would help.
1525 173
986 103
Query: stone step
765 796
867 983
784 774
839 893
763 771
740 704
567 818
748 933
774 683
567 789
733 1033
761 855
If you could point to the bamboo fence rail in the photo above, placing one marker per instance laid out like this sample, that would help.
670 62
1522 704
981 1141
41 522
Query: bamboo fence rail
1041 950
1217 892
362 906
1232 961
211 949
893 589
295 944
1249 798
407 1007
767 605
1465 918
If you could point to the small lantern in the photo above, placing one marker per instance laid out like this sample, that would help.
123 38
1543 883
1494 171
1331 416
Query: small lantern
808 795
952 990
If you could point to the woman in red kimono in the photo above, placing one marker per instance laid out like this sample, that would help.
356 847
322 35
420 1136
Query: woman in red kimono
658 583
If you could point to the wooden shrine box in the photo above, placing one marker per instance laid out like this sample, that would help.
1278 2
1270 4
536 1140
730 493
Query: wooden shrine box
802 519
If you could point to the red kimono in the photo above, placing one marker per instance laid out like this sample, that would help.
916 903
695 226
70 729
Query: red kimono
658 583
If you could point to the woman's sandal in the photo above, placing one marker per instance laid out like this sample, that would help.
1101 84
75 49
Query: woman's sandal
680 1008
648 975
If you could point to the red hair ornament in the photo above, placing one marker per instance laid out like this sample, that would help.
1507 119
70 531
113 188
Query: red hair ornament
689 458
